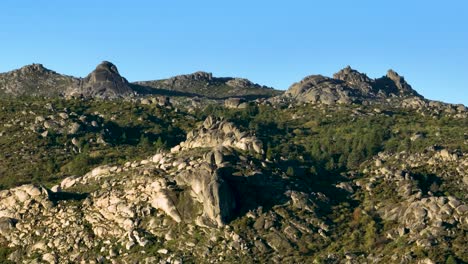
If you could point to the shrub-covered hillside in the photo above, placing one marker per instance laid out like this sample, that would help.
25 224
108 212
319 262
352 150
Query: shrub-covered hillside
189 180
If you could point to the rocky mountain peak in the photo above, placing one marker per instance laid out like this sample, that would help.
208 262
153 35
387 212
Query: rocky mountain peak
201 75
396 84
393 74
349 85
320 89
352 76
107 66
399 81
106 72
355 80
35 80
105 81
346 70
34 68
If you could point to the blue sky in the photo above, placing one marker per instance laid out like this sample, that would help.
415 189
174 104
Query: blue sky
270 42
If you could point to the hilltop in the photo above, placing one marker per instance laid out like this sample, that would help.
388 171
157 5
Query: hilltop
349 85
204 84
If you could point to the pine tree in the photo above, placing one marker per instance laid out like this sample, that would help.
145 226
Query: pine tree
159 144
371 234
269 152
451 260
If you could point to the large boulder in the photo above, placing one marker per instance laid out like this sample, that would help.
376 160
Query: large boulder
321 89
399 81
213 192
7 224
215 132
105 81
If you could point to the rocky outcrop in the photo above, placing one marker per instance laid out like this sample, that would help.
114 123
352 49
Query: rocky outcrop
424 215
181 80
36 80
355 79
403 88
349 86
214 132
211 189
13 200
208 183
170 204
320 89
238 103
127 204
203 84
105 82
240 83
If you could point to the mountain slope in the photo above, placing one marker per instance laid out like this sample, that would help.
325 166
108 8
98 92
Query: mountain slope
205 85
127 181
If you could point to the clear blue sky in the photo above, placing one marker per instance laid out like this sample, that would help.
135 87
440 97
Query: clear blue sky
270 42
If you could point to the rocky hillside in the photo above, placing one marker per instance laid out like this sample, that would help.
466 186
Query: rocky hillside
350 86
36 80
379 178
197 187
106 82
205 85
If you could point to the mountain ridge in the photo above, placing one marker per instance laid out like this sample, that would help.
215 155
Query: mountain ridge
203 83
106 82
347 86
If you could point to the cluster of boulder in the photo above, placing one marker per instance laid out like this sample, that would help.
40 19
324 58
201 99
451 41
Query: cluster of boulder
239 103
184 81
140 204
214 132
424 215
60 122
347 86
162 101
